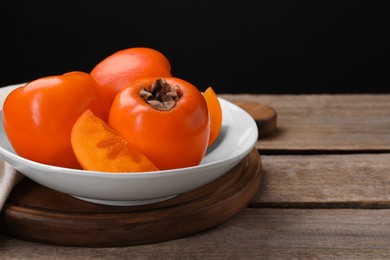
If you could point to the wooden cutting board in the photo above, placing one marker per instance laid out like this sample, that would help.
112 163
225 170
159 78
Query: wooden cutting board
39 214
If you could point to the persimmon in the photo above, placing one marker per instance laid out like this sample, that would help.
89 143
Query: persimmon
123 67
215 112
165 118
38 117
99 148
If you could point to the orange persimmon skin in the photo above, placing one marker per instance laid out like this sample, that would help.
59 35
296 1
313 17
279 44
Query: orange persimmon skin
38 117
123 67
170 139
215 111
99 148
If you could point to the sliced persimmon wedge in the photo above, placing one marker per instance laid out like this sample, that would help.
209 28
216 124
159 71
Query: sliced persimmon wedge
215 112
99 148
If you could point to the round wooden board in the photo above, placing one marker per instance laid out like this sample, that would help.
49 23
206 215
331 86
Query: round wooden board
36 213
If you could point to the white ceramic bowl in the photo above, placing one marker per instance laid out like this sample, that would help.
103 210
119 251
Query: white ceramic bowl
237 138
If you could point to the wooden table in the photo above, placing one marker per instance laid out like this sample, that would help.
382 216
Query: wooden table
325 191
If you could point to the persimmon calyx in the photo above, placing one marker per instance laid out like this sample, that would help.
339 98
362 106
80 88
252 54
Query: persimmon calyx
161 95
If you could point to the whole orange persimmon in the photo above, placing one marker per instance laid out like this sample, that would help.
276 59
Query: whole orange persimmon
123 67
166 119
38 117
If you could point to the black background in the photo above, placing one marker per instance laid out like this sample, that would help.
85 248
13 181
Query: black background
234 46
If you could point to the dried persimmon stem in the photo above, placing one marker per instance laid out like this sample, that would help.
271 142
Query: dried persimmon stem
161 95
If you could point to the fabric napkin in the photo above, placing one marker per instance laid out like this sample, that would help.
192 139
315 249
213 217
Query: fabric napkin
9 177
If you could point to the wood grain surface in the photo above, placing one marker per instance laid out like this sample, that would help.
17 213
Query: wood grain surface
253 234
325 123
325 181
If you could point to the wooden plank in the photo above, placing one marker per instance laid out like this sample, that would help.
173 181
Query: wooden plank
253 234
325 122
326 181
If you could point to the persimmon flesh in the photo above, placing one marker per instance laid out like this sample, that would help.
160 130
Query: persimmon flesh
99 148
215 112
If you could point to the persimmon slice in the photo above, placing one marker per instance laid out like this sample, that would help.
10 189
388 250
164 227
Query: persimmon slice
99 148
215 112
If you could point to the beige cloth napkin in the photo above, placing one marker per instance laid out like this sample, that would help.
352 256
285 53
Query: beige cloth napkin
9 177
